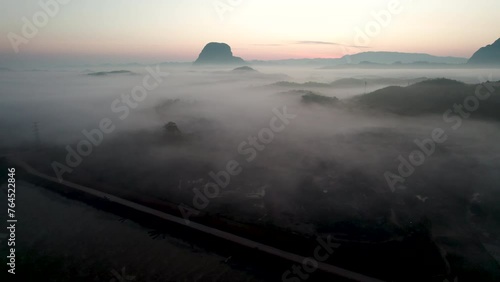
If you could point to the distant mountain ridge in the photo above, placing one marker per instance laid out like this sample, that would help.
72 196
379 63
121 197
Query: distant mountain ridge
374 57
399 57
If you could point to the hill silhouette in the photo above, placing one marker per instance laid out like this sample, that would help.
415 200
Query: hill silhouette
103 73
217 53
433 96
349 82
488 55
244 69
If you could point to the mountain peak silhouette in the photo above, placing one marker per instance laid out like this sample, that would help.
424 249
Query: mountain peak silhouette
217 53
488 55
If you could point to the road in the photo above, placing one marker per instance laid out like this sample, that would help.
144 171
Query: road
199 227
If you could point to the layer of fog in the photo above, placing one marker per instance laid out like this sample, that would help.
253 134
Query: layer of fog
65 102
327 166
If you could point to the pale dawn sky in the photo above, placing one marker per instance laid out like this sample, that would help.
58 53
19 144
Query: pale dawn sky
176 30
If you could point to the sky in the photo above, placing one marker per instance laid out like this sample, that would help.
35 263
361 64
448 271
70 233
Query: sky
90 31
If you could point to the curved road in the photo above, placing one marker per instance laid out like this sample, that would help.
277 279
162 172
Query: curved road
203 228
